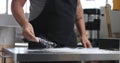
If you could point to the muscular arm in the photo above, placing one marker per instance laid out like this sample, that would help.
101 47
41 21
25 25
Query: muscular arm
80 25
80 19
18 13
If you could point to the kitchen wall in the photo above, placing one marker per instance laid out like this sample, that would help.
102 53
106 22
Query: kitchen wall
115 22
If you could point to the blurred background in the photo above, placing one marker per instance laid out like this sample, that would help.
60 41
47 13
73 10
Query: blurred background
97 15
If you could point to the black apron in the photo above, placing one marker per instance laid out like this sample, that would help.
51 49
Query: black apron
56 22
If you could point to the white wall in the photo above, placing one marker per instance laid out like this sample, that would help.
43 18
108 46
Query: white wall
7 20
115 22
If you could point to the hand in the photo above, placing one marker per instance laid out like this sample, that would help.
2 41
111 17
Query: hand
28 33
86 43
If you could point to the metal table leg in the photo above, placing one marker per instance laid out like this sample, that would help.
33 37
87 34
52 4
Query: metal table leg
3 60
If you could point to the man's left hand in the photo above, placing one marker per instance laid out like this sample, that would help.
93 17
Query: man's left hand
86 43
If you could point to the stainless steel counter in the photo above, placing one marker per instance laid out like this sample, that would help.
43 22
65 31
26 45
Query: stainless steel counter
23 54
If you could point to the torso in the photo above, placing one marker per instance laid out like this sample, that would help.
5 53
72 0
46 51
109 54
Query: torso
55 21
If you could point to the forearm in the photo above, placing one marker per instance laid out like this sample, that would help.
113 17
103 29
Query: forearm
81 27
18 13
80 19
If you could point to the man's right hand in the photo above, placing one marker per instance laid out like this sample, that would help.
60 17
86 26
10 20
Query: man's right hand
28 33
18 13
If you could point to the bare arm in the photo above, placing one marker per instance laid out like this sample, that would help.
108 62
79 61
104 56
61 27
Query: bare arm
80 24
18 13
80 19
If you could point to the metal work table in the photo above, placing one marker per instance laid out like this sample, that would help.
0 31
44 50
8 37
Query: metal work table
23 54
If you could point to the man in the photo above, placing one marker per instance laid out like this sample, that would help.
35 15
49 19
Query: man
53 20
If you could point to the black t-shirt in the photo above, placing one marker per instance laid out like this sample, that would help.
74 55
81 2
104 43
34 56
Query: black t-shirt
56 22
